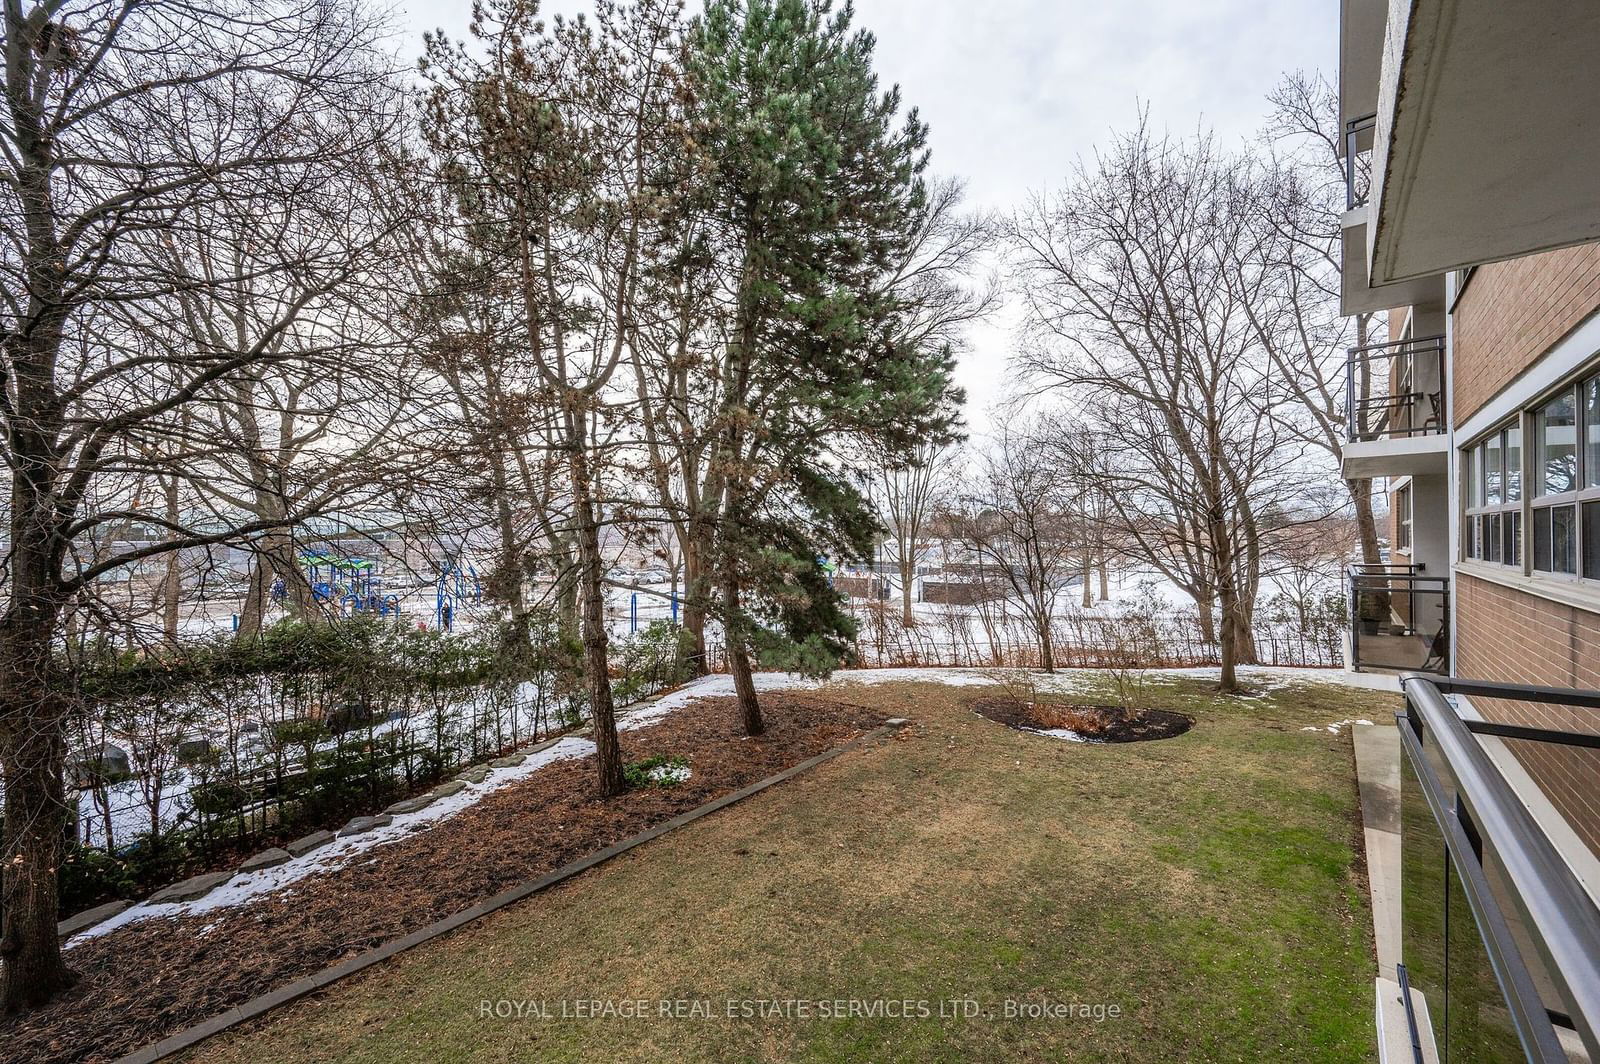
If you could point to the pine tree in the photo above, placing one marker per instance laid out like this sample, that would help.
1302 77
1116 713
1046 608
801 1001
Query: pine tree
815 182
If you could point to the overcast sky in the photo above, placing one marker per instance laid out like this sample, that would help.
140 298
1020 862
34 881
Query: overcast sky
1015 90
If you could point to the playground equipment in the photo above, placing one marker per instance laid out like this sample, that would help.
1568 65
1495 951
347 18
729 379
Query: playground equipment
348 581
455 586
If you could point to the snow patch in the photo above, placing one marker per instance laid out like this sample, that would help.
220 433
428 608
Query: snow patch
1336 725
1061 733
244 888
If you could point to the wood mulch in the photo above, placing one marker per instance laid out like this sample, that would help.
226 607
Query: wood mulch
1101 724
154 977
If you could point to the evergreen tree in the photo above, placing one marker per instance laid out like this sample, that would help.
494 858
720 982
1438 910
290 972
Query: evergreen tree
814 181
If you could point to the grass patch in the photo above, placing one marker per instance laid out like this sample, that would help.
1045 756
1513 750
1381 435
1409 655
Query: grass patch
1207 886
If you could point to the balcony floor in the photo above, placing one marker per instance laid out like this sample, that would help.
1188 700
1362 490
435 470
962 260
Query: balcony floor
1399 652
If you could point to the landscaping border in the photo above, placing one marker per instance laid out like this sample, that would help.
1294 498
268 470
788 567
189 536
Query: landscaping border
261 1004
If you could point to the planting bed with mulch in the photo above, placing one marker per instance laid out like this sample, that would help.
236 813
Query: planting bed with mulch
149 979
1101 724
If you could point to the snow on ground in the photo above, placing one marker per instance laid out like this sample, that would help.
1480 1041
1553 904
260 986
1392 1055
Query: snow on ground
1061 733
1336 725
342 851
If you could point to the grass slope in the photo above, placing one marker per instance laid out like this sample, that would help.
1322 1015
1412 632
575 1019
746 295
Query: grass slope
1208 886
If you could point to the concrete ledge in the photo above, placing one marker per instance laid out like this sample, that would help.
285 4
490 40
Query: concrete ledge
258 1006
445 790
411 805
89 917
1394 1033
363 824
267 859
306 843
191 888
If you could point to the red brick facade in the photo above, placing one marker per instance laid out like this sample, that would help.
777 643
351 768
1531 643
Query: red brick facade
1511 313
1507 635
1509 316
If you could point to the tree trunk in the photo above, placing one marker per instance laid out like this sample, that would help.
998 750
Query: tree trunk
1088 579
1105 580
908 571
1047 649
739 662
518 639
1204 603
1228 680
275 559
696 589
602 708
33 756
1366 522
172 584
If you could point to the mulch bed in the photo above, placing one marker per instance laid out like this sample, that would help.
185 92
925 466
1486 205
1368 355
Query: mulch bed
152 978
1108 724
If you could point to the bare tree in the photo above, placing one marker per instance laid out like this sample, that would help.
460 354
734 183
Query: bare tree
124 121
907 495
1016 518
1133 309
1292 260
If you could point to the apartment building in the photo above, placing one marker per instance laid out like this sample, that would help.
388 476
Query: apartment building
1472 153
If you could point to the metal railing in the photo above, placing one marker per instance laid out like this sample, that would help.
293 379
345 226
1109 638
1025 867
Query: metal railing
1399 618
1395 390
1358 160
1539 927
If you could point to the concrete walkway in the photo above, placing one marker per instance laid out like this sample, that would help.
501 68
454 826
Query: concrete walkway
1378 772
1378 775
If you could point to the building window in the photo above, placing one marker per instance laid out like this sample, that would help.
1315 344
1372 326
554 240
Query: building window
1493 526
1559 505
1565 524
1402 519
1556 452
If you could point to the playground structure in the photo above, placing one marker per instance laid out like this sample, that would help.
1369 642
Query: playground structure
348 582
455 586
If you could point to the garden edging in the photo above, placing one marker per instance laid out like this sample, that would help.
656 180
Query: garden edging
264 1003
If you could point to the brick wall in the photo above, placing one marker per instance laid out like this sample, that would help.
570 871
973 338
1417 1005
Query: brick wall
1506 635
1513 312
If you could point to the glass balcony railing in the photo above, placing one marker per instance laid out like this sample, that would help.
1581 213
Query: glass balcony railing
1499 935
1399 619
1395 390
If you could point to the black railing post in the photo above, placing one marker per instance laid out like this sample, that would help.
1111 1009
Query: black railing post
1355 623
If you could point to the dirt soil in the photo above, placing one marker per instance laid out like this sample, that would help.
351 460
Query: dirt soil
155 977
1109 724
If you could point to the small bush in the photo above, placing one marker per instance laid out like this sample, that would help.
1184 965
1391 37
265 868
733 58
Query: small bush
90 877
1081 719
658 771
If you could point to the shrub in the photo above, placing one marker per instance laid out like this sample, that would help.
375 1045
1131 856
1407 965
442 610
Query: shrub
657 771
90 877
1081 719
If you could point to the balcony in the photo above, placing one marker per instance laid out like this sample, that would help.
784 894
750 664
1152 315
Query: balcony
1395 417
1357 295
1487 147
1500 936
1399 619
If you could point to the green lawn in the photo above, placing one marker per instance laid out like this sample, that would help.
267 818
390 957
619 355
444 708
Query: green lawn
1206 888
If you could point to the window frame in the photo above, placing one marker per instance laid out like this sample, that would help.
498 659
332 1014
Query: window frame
1515 524
1403 515
1495 532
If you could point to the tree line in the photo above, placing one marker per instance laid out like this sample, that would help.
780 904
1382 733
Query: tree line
255 275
